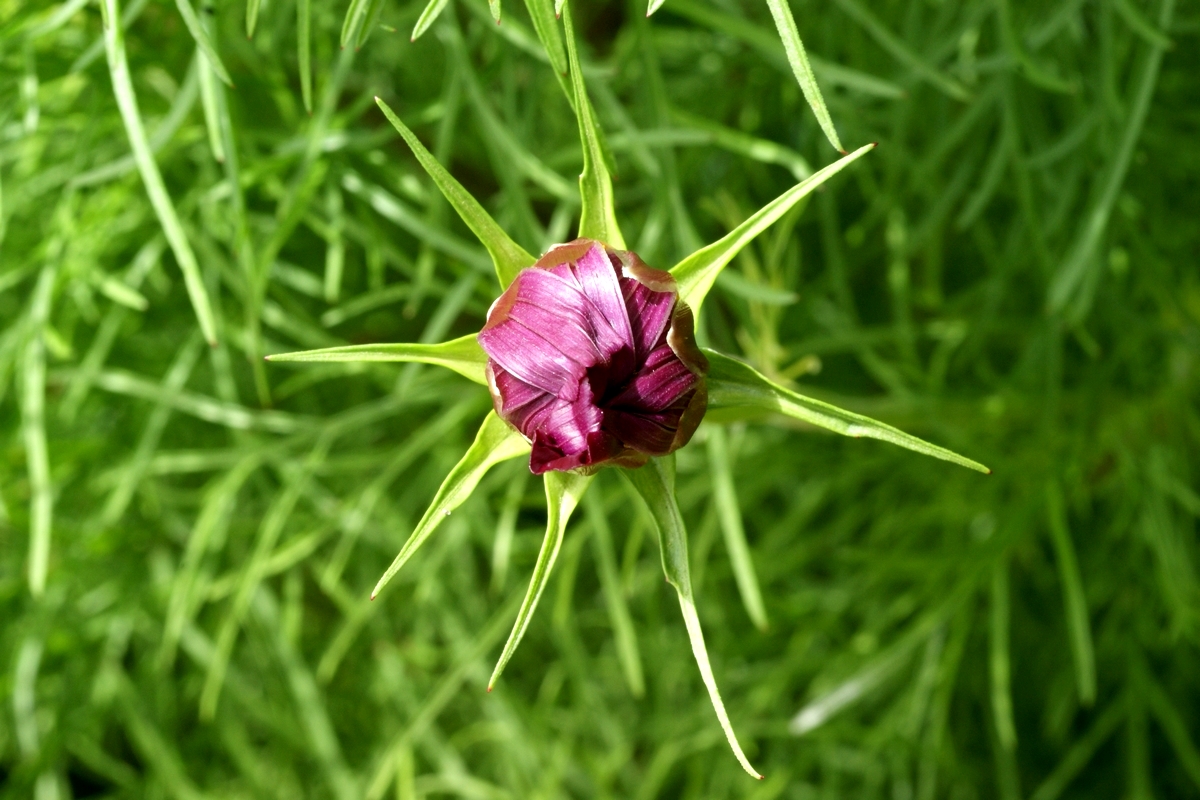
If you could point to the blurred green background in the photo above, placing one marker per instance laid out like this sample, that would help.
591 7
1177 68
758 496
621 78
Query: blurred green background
1012 274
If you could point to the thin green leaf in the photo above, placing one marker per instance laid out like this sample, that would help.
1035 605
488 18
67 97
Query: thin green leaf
508 256
494 7
463 355
901 51
1081 263
1142 26
655 482
597 218
542 14
1034 72
304 50
355 15
736 283
798 58
697 272
220 498
653 5
506 528
252 7
212 111
114 42
1000 670
1073 597
256 570
196 29
563 491
494 443
370 22
614 595
831 74
733 384
432 11
730 517
33 429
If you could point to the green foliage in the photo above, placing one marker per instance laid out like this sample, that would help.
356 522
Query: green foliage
191 534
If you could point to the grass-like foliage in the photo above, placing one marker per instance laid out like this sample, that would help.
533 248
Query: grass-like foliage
190 535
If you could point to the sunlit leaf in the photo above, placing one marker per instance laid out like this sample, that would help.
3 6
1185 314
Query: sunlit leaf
508 256
164 209
697 272
494 443
798 59
597 218
614 596
730 516
192 22
541 12
655 482
734 384
427 18
463 355
563 491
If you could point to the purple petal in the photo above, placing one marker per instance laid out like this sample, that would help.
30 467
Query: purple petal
593 359
649 314
597 280
537 330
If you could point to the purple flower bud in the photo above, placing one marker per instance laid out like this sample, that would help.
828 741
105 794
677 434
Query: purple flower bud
591 356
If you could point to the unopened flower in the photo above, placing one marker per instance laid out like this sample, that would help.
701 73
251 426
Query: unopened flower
591 356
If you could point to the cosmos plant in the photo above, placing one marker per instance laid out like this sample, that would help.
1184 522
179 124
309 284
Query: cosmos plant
591 361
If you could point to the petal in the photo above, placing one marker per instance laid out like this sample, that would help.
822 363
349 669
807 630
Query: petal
516 401
649 314
597 279
537 330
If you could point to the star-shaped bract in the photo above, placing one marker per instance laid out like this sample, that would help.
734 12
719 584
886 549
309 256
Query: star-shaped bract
575 440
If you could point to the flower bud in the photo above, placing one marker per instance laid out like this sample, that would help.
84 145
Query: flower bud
592 357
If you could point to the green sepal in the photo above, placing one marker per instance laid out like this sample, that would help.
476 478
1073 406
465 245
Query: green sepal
597 217
697 272
494 443
508 256
463 355
563 491
735 384
655 482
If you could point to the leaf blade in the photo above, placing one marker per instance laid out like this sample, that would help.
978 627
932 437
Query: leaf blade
655 482
729 515
563 492
463 355
192 22
508 256
432 11
597 217
495 442
160 200
798 59
734 384
697 272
